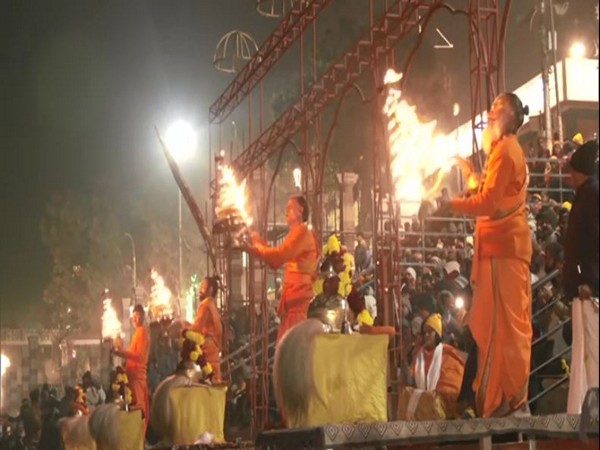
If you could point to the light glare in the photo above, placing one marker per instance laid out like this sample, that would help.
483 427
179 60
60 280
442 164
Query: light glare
577 50
181 140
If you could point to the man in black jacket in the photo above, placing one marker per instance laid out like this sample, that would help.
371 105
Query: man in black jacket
580 273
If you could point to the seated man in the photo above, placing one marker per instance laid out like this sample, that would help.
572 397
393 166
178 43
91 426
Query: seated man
437 372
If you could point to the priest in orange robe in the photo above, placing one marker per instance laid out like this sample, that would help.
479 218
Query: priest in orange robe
208 323
299 253
136 362
500 318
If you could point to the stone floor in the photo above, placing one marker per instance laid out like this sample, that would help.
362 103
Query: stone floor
549 444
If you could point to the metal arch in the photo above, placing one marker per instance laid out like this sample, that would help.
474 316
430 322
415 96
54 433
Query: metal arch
234 46
365 54
287 32
274 9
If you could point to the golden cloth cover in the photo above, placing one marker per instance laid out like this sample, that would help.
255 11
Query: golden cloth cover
198 409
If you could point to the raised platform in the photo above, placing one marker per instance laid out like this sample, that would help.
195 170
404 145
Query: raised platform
402 433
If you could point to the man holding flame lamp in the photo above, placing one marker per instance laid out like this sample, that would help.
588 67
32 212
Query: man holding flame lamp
299 253
136 361
500 317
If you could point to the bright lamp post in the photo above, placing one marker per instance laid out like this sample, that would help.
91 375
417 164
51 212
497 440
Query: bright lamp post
181 141
577 50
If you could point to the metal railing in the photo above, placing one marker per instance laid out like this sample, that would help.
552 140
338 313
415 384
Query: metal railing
537 370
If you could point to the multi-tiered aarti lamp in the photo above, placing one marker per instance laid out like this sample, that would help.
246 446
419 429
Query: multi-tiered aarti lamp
232 217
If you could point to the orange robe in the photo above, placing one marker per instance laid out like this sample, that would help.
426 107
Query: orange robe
136 366
500 318
208 322
451 375
299 254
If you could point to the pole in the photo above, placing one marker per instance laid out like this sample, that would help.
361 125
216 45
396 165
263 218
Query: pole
545 77
180 249
134 269
559 123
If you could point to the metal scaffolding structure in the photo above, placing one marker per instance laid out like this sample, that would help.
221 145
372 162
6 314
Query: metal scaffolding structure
389 22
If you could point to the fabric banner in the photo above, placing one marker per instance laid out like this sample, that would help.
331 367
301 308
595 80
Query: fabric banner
198 409
350 373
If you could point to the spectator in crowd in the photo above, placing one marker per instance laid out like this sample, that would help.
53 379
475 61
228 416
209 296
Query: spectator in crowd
32 419
552 179
581 273
453 281
94 393
437 366
452 316
547 222
362 254
410 278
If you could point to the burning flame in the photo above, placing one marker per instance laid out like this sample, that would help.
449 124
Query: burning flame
417 153
232 196
4 364
297 178
160 298
111 325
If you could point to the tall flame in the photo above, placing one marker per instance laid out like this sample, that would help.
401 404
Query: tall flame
417 153
4 364
111 325
160 298
233 197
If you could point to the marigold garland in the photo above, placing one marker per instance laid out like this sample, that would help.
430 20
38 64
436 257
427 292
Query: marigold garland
80 402
191 350
341 262
120 386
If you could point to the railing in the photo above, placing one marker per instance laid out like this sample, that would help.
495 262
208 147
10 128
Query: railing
536 371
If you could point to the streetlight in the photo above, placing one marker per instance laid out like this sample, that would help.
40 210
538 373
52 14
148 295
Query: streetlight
134 270
577 50
181 142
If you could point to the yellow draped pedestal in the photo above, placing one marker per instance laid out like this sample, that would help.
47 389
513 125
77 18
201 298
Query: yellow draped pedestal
198 409
131 430
350 373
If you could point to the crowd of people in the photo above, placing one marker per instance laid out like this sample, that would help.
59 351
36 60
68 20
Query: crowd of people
36 425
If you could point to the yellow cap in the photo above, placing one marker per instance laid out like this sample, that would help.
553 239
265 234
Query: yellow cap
578 139
333 245
435 322
567 206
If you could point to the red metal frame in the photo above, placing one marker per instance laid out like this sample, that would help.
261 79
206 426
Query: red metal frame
288 31
485 58
369 53
398 20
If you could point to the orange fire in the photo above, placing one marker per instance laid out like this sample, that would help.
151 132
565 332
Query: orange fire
233 197
4 364
417 152
111 325
160 298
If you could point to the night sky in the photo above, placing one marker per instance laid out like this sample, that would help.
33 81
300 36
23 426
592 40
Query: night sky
83 83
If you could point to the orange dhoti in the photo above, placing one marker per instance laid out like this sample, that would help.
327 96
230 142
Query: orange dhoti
501 326
212 354
141 397
291 312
